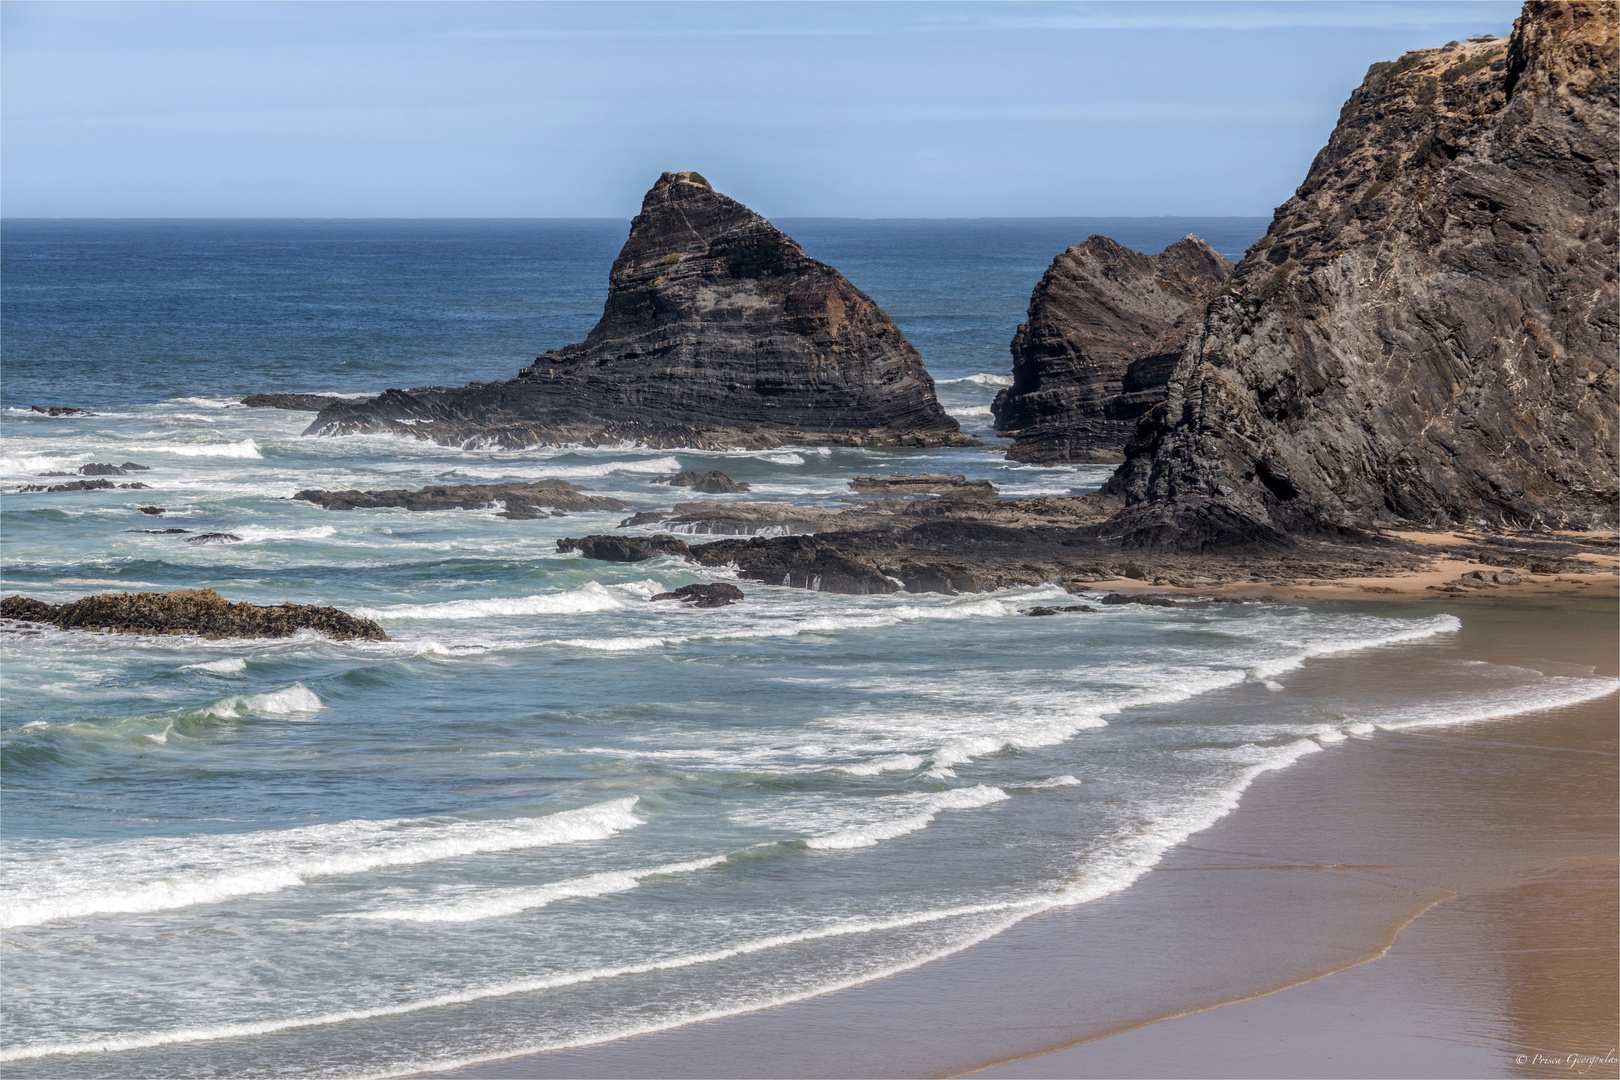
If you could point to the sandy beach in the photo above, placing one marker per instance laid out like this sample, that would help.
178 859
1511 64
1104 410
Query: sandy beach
1437 901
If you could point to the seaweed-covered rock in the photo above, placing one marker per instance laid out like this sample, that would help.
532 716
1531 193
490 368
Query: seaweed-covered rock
718 331
202 612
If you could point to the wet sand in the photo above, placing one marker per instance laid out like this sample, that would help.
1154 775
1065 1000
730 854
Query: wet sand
1429 902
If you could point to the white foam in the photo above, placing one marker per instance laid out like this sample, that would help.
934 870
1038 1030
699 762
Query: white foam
33 464
1050 782
590 597
497 903
254 534
983 378
1353 638
247 448
783 459
294 701
1551 692
1120 862
886 763
219 667
160 874
1015 911
968 412
918 812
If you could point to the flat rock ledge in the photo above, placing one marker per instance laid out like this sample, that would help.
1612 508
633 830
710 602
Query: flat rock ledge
713 595
522 501
202 612
295 402
942 484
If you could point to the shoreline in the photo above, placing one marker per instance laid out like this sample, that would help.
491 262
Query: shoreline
1352 852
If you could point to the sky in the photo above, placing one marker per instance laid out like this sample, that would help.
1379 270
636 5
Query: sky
381 109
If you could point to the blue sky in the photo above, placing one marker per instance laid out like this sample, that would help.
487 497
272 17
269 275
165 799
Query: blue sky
571 110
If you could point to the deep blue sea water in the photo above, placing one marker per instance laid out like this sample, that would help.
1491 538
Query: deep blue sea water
549 812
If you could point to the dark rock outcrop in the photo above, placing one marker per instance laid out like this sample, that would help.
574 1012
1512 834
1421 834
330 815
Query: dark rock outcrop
713 482
190 611
740 519
522 501
1106 326
942 484
295 402
625 548
1428 333
713 595
212 538
718 331
1067 610
60 410
152 511
96 468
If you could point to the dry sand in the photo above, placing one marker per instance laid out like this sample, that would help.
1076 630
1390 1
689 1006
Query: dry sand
1434 902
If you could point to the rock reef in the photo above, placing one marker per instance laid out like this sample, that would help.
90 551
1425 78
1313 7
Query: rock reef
520 501
718 331
1106 327
1428 333
202 612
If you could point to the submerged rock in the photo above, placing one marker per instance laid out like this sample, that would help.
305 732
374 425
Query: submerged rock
718 331
84 485
60 410
713 482
189 611
522 501
740 519
1071 608
1145 599
295 402
715 594
152 511
1427 334
1106 326
211 538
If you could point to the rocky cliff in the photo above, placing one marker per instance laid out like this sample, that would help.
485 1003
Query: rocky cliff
718 331
1106 326
1428 333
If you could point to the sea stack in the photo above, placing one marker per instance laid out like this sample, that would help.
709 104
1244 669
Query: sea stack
1427 335
718 332
1106 327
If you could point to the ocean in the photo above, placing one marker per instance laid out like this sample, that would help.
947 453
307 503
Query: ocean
548 813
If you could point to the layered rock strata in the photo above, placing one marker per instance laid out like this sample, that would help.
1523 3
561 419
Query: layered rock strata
202 612
1428 332
519 501
1106 326
718 331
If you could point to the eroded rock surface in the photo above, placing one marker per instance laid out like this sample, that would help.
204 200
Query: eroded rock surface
1106 326
1428 333
719 331
190 611
522 501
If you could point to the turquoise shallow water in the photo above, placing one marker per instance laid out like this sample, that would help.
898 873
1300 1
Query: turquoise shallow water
547 811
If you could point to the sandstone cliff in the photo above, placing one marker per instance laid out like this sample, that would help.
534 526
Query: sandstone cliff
718 331
1106 326
1428 333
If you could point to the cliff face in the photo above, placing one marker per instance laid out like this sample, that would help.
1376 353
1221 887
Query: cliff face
1428 333
718 331
1106 326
